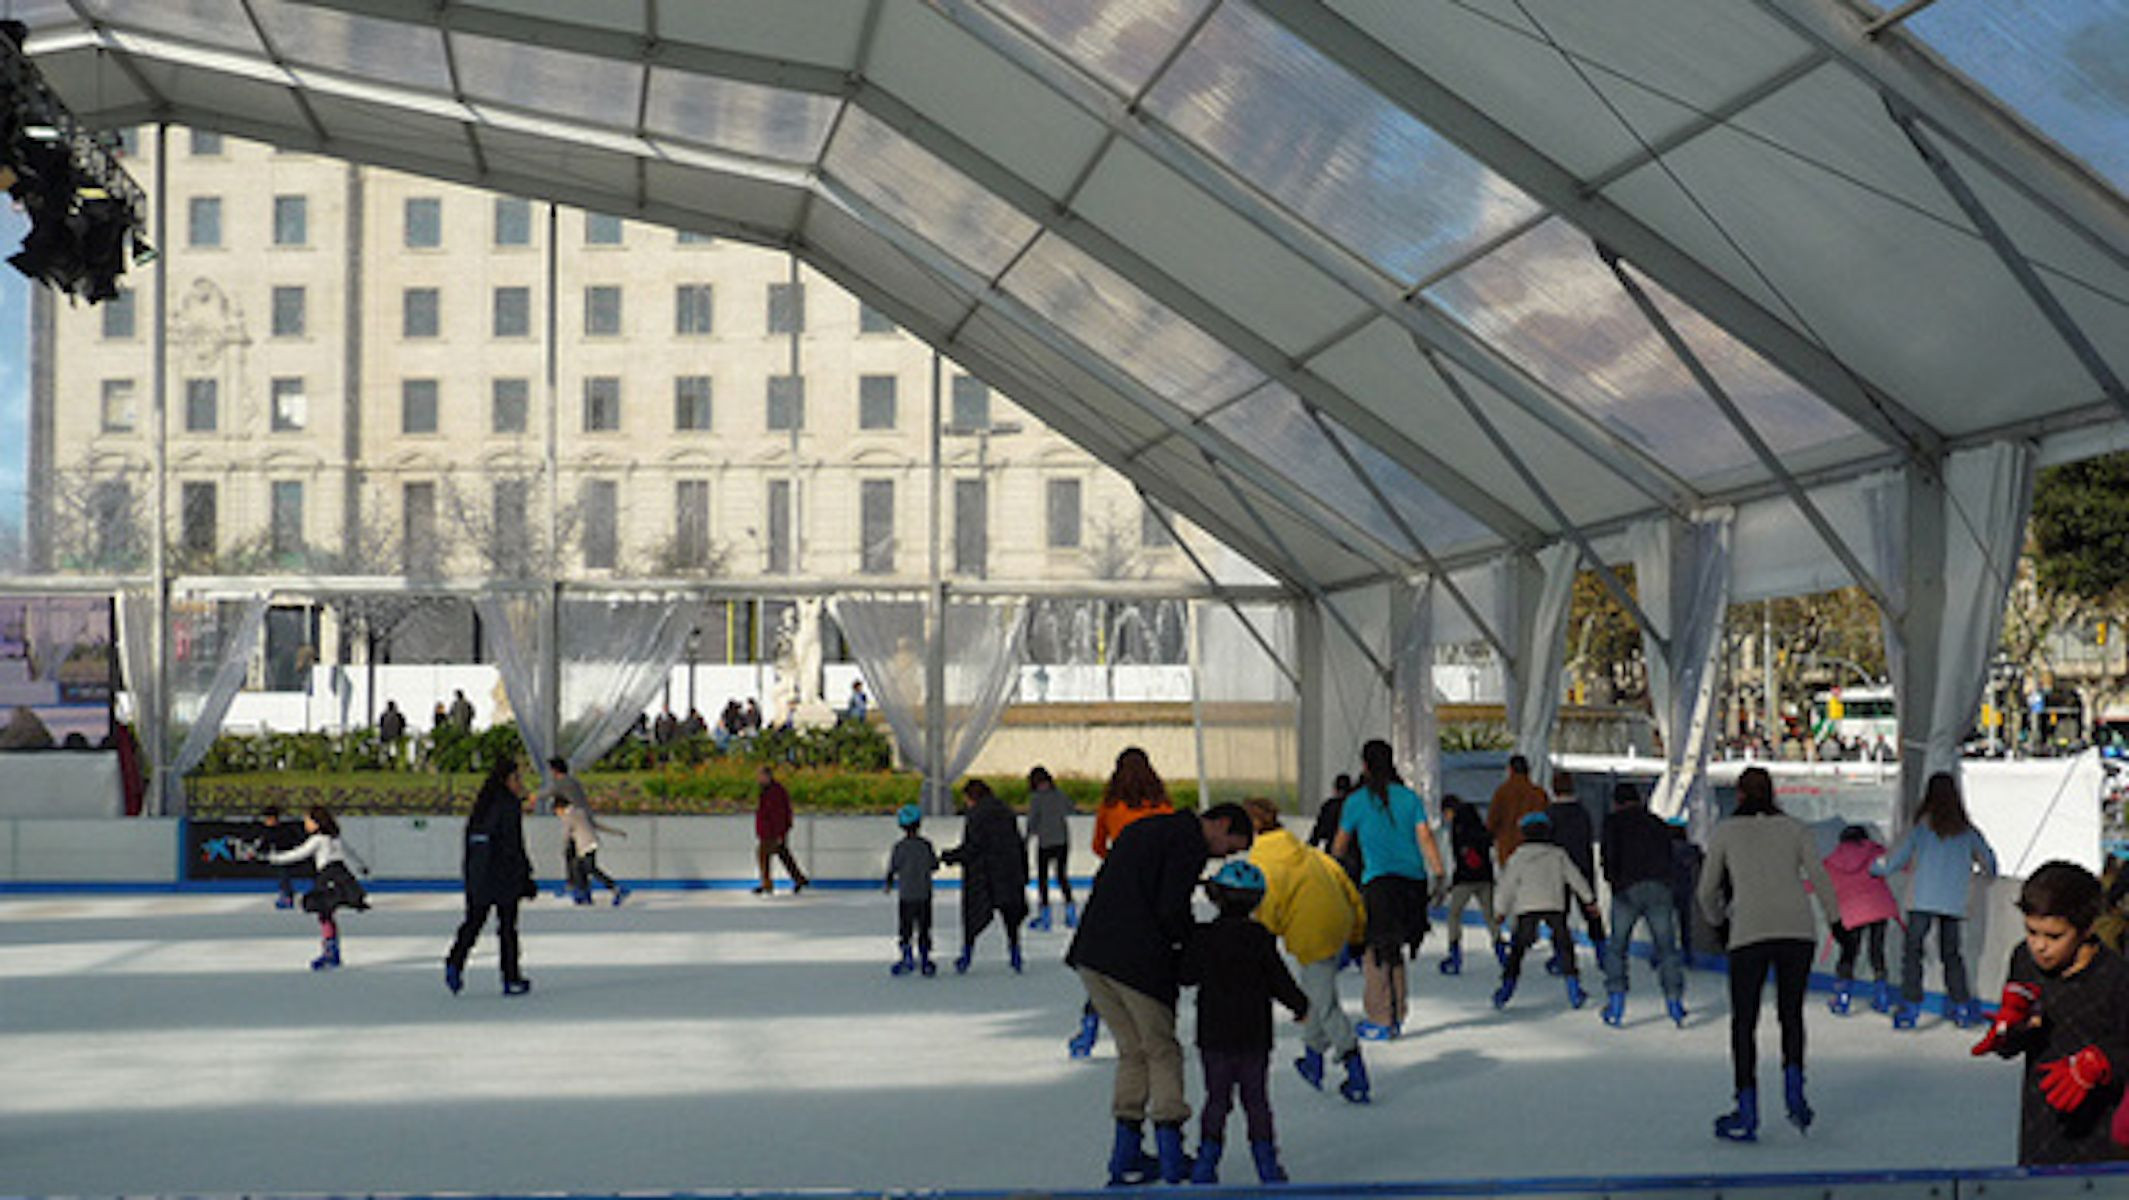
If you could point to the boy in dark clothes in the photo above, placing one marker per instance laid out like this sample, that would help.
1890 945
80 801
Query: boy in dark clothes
911 866
1236 968
2063 1009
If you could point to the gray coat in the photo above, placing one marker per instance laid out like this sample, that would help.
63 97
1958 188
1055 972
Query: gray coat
1767 858
1538 879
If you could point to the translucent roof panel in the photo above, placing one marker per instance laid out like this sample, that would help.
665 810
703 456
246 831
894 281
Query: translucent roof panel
1121 42
1111 316
819 32
557 82
1272 424
40 14
915 188
742 117
1548 302
390 51
219 23
1336 152
2060 65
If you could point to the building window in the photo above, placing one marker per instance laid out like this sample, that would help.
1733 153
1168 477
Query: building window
119 407
417 508
602 311
691 308
512 524
876 394
513 312
1153 530
425 222
689 237
291 407
691 523
203 221
602 404
291 221
206 143
602 524
972 527
972 403
1062 516
197 518
876 526
111 518
202 398
119 315
601 230
872 320
513 221
691 403
780 527
508 401
787 403
289 317
419 308
787 308
285 522
417 406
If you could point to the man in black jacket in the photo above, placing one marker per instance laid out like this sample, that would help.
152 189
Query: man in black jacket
1572 832
1637 864
1128 952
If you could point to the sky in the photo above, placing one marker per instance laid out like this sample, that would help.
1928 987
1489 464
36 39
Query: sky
14 368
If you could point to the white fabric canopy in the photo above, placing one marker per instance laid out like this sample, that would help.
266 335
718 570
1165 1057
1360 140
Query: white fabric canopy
1683 585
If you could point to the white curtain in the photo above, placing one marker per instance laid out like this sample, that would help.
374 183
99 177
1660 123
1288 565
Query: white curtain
1415 731
617 652
1682 579
1988 493
136 656
211 643
515 623
1541 651
984 640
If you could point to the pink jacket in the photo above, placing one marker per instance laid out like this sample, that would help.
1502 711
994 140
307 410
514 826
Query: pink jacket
1864 897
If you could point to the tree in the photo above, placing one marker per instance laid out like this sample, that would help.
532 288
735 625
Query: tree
1605 658
2080 530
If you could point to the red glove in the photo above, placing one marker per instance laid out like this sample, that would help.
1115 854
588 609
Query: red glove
2066 1082
2015 1007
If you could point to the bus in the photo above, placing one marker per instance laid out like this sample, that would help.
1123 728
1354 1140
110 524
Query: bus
1857 714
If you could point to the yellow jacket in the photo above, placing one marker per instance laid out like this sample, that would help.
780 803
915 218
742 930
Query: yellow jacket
1309 900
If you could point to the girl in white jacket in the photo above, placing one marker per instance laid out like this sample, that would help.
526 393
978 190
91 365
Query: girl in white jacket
1534 888
336 887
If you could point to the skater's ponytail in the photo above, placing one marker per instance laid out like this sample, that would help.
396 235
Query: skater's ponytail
1378 770
322 817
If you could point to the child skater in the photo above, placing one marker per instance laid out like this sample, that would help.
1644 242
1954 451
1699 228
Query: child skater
1944 848
1471 878
1534 888
1238 973
911 865
1047 810
2062 1009
336 887
1866 905
1312 904
581 830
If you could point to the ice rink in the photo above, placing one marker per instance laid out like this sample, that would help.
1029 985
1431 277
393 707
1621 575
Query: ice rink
176 1043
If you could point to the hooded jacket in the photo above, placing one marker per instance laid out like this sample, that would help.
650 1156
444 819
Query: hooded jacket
1309 900
1538 879
1864 897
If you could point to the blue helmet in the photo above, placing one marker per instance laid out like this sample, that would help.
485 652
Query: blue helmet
1239 876
909 816
1536 820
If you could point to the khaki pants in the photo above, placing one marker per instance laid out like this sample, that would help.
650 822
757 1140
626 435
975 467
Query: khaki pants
1462 895
1149 1060
777 850
1328 1030
1384 997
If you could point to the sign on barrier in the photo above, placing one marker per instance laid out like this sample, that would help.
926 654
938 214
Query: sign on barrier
238 850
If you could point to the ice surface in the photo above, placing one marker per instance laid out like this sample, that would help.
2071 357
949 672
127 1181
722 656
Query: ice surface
717 1040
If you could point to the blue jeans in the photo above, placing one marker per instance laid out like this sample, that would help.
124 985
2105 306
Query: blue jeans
1948 930
1649 900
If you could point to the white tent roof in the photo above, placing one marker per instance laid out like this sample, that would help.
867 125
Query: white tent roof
1361 287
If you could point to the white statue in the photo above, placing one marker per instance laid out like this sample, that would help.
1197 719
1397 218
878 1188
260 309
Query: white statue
798 667
808 649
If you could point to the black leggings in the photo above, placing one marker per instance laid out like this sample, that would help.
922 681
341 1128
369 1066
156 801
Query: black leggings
913 917
1526 933
1790 960
1851 941
1044 857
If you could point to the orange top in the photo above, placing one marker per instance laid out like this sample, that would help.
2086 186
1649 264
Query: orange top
1110 820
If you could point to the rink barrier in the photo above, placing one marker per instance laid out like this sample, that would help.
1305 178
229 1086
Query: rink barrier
1948 1183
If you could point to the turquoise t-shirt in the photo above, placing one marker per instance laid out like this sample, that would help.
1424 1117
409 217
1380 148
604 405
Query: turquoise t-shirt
1389 841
